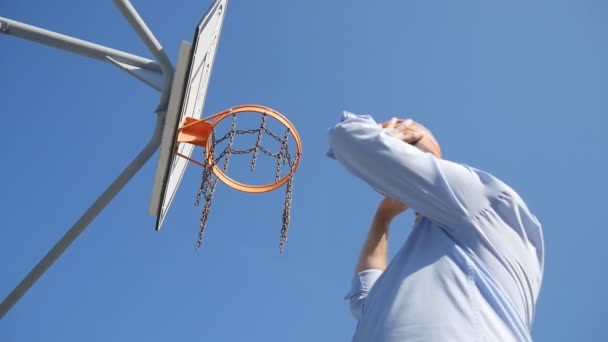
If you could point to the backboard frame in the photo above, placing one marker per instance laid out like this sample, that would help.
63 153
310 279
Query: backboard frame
188 93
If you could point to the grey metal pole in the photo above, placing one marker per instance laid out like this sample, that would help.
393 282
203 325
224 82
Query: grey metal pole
144 33
99 52
85 219
75 45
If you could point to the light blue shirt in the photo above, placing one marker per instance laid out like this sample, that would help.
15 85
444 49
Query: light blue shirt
471 268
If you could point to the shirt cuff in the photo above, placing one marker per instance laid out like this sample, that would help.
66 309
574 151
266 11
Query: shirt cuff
362 282
361 285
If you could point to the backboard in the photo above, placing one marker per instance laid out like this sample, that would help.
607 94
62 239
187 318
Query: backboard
188 92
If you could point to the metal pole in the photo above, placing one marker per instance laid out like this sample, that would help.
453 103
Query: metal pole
74 45
100 52
85 219
144 33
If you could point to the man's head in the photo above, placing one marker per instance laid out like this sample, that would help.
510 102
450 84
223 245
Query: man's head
427 143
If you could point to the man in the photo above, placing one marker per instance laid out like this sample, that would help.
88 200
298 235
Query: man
472 266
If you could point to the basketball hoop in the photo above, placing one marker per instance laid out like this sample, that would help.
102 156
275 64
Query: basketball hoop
202 133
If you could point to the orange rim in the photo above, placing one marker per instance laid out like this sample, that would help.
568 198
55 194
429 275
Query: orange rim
256 109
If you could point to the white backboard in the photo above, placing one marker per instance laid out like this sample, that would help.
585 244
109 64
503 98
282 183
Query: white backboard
188 93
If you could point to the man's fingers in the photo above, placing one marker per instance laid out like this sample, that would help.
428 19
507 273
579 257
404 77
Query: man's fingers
412 137
398 128
403 125
418 135
391 124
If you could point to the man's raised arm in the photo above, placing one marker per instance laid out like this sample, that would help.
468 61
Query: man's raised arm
438 189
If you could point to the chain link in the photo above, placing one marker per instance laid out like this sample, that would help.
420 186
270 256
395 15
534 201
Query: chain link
258 140
281 156
206 191
205 213
230 142
287 206
276 137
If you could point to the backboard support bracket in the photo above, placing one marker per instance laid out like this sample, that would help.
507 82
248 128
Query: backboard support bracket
151 78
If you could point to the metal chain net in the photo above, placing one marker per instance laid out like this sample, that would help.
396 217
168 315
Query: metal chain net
209 180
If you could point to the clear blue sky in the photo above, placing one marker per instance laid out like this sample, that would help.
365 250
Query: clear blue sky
517 88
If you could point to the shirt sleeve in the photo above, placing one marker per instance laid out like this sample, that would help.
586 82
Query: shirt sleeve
444 191
361 285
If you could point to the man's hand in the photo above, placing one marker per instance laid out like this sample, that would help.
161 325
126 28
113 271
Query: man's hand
398 129
389 208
